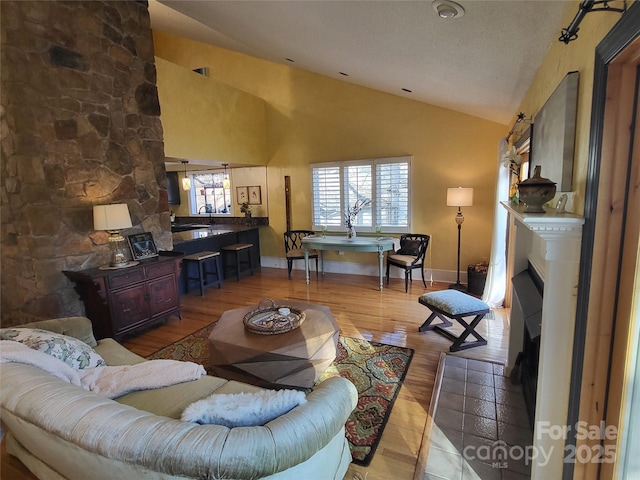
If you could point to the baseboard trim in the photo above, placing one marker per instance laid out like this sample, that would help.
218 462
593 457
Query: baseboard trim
430 275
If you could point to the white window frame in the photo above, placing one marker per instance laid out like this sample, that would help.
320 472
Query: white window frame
373 163
193 201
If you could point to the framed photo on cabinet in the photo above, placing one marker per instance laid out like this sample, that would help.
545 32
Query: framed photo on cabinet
255 195
142 246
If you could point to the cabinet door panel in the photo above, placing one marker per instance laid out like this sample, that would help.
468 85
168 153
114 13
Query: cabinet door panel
163 295
173 188
130 307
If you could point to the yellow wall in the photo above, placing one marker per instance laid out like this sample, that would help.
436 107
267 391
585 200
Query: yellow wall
204 119
579 55
250 177
312 118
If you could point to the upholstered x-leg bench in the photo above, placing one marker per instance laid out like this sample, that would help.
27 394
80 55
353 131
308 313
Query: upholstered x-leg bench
450 305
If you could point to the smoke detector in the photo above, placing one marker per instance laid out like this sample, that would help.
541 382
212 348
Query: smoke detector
447 9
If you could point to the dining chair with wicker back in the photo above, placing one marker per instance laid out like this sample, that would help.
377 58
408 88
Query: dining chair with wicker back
294 250
413 247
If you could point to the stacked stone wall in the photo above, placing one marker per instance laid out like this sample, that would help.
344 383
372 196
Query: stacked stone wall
79 126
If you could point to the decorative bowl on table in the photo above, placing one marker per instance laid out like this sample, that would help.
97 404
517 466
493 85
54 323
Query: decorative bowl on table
272 319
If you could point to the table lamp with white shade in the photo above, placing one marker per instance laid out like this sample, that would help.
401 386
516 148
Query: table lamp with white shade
114 218
459 197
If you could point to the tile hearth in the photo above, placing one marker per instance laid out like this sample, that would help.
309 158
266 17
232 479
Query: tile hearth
479 410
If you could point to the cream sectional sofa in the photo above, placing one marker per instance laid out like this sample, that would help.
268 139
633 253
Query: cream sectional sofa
61 431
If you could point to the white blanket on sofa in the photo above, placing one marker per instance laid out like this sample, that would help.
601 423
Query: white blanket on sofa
113 381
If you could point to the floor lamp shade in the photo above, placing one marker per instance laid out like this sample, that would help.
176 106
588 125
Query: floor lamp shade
459 197
113 218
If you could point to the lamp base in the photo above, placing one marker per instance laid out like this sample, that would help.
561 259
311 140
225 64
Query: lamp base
118 250
458 286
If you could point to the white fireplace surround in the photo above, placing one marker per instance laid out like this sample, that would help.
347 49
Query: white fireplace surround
551 243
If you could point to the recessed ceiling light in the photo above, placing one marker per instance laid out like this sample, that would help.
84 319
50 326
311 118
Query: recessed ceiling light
447 9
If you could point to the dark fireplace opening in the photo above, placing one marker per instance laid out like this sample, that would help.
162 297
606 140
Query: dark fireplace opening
526 307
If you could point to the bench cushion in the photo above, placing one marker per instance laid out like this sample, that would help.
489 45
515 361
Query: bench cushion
299 252
200 256
402 259
453 302
237 246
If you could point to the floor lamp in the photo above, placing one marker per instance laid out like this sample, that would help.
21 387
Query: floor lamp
459 197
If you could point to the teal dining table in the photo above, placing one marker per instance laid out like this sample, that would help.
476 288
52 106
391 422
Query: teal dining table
340 243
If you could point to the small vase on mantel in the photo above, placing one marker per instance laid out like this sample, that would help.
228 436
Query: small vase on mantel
536 191
351 232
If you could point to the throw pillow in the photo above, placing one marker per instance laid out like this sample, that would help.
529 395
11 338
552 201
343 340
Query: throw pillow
71 351
243 409
409 247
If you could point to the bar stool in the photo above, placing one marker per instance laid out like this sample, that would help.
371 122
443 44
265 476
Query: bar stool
236 249
201 259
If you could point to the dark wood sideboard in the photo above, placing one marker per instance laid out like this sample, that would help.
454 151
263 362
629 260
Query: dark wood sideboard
122 301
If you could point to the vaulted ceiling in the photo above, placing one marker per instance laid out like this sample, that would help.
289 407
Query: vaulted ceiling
480 63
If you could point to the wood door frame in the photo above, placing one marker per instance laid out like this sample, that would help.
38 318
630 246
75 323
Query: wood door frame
623 340
593 396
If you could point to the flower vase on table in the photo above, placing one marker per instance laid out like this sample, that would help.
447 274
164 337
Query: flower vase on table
351 214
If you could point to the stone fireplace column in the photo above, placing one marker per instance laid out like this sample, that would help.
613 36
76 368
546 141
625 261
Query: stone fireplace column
79 126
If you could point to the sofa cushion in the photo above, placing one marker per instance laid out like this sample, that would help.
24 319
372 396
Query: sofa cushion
71 351
243 409
115 354
171 401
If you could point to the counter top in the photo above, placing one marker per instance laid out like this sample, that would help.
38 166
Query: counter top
210 231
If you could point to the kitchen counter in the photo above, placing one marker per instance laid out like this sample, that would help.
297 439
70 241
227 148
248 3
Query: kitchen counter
212 238
209 232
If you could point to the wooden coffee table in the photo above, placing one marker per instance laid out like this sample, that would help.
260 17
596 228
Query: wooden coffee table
296 358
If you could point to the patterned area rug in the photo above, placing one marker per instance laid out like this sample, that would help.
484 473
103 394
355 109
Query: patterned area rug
377 370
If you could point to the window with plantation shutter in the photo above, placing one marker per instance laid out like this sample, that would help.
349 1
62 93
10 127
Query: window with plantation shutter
358 187
327 205
392 194
381 185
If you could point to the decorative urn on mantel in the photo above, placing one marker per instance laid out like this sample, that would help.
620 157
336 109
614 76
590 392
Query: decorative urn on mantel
536 191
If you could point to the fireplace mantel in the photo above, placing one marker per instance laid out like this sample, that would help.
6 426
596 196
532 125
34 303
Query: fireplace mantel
548 225
551 243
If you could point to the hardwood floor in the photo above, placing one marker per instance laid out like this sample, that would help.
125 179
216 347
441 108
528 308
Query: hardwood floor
391 316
